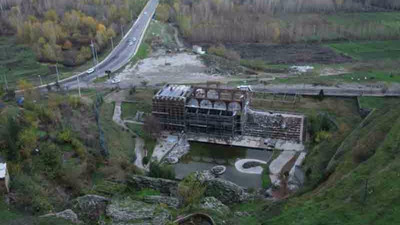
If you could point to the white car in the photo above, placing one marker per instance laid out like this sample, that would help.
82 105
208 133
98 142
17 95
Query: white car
115 81
130 43
89 71
245 88
134 39
145 13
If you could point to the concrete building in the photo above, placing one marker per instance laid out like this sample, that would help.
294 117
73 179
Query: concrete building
222 113
201 109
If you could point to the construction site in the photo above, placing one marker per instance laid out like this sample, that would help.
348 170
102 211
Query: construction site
214 114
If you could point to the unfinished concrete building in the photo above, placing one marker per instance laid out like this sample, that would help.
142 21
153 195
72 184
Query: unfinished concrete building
222 113
201 109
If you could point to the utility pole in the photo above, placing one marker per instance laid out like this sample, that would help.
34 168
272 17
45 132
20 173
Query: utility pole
93 53
97 57
112 44
79 87
40 78
58 75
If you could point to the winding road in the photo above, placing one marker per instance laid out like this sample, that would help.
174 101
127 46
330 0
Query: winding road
121 54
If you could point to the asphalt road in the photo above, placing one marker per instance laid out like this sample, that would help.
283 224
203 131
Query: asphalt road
121 54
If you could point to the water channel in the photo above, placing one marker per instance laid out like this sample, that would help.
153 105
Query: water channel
205 156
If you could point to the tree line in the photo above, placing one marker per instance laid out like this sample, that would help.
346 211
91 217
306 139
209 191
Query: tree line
278 21
62 30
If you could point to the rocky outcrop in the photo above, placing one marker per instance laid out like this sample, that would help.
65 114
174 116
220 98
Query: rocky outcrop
169 201
67 215
90 207
213 204
128 211
164 186
225 191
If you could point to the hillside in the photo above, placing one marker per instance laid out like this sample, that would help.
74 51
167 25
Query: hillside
62 31
360 185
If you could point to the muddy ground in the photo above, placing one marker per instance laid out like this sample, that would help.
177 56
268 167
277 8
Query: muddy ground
161 68
289 54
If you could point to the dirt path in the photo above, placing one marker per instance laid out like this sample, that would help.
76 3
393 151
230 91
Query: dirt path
139 142
117 115
177 40
140 153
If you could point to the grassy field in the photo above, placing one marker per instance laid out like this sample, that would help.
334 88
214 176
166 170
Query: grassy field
378 102
141 100
389 19
19 62
342 108
120 144
369 50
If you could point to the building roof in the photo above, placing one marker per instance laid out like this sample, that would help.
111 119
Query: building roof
174 91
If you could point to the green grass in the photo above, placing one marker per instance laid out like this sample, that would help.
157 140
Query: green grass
100 80
7 215
149 142
342 198
120 143
19 62
369 50
389 19
378 102
161 30
146 192
130 109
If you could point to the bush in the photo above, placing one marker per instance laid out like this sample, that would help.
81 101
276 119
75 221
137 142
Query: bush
225 53
361 154
145 160
30 194
74 102
64 136
50 159
159 171
191 190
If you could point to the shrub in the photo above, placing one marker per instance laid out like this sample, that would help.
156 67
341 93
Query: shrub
79 148
191 190
74 102
159 171
65 136
50 159
145 160
30 194
225 53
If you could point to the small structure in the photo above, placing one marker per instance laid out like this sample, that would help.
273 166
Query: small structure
4 177
198 50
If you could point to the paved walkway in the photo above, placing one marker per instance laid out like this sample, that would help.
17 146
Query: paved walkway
278 164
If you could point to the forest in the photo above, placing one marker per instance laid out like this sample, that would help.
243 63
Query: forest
62 30
284 21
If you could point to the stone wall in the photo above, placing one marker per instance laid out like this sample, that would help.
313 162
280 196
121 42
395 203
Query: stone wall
164 186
